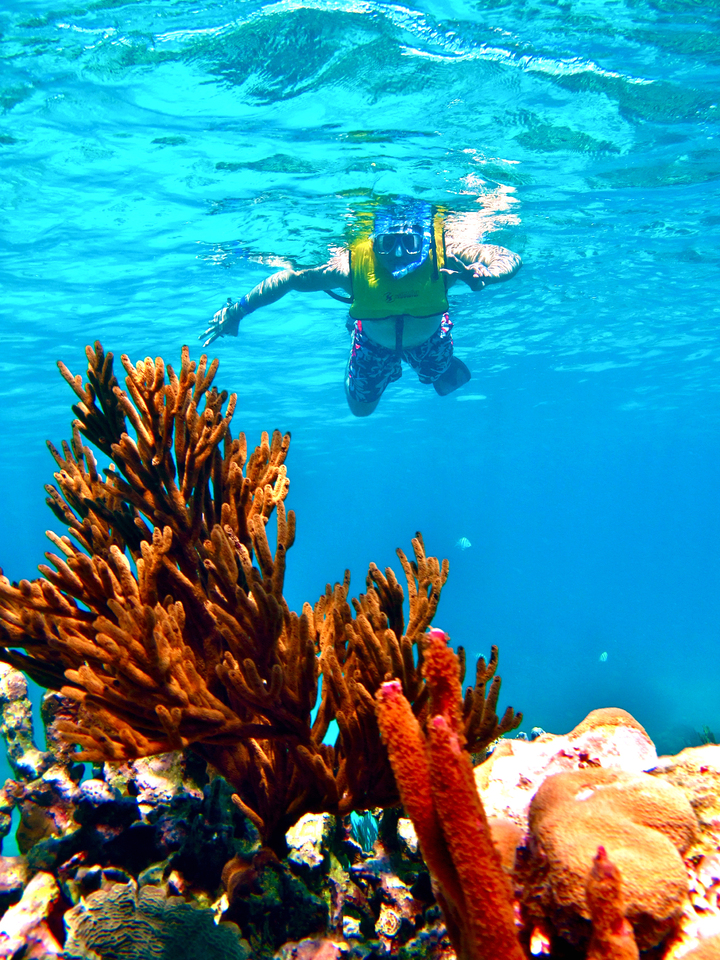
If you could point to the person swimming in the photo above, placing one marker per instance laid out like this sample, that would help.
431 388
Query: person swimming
396 282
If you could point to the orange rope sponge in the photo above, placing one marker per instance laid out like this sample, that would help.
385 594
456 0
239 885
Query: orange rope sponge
404 739
612 936
437 788
441 670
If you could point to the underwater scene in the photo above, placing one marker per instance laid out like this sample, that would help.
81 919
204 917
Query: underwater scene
502 423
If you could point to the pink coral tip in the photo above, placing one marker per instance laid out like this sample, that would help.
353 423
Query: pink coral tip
390 690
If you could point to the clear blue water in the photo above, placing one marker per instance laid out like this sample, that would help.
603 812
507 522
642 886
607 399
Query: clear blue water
158 157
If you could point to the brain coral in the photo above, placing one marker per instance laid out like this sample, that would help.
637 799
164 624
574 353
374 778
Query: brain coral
122 923
643 823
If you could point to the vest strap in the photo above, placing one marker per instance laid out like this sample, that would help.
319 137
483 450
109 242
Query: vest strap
338 296
399 326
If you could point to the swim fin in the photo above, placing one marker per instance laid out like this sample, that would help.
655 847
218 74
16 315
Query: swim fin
456 375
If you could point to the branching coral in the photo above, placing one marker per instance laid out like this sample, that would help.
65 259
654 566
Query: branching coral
165 618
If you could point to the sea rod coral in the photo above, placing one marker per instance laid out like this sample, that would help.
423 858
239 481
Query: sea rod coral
165 618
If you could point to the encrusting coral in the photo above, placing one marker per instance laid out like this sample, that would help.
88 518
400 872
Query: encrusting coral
166 623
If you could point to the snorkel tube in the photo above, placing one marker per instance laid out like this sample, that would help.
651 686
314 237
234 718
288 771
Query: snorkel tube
408 216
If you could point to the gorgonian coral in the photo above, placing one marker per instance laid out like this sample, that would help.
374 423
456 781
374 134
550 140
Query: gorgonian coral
162 613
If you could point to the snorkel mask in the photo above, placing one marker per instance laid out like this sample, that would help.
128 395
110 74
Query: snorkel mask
410 225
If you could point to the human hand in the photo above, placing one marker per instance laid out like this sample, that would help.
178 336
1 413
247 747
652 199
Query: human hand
225 321
476 275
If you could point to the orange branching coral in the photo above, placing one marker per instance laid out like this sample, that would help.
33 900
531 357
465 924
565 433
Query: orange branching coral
437 789
162 614
612 935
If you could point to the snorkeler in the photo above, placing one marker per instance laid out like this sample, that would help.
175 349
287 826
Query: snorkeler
397 281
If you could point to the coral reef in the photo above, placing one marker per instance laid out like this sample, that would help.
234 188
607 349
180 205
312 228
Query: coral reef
696 771
16 725
438 792
167 625
124 923
612 935
32 926
644 825
608 738
158 831
216 820
265 897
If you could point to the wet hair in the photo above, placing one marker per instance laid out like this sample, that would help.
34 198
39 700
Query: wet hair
403 216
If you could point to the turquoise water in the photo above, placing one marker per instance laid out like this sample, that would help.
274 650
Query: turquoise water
158 157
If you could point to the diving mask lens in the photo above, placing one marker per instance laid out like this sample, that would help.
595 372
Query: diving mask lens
410 242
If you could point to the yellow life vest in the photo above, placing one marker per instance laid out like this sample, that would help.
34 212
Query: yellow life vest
376 294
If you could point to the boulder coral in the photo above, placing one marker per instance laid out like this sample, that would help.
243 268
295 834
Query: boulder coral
643 823
608 737
696 771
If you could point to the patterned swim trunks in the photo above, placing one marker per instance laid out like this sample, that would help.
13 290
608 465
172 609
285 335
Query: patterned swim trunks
372 367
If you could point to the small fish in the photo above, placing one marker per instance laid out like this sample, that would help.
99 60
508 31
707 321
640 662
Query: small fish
603 656
463 543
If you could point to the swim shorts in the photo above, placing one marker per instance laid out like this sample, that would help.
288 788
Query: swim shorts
372 367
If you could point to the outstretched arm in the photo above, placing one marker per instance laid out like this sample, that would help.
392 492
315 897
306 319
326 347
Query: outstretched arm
331 276
479 264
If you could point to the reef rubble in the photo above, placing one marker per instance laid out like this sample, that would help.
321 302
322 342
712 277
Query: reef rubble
151 855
